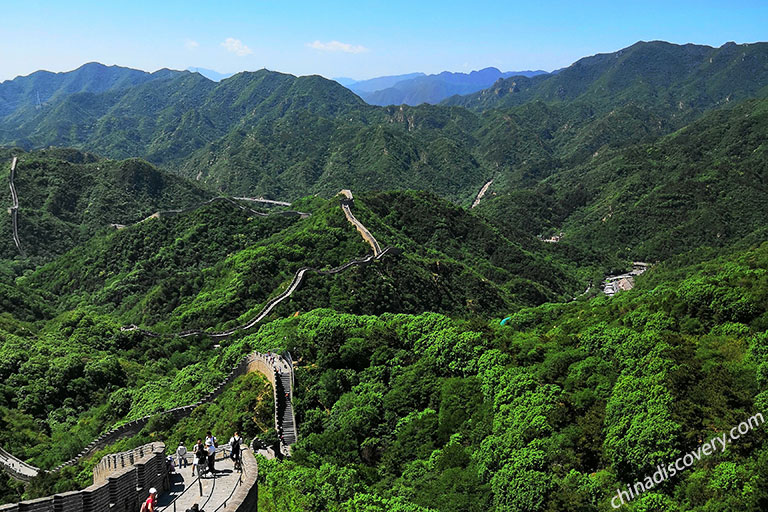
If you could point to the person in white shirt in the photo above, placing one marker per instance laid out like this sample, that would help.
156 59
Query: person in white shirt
181 455
210 443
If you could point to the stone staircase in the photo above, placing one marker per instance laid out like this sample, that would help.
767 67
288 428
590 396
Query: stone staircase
268 365
286 416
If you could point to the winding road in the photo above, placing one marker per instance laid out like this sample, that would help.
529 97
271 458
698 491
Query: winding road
481 194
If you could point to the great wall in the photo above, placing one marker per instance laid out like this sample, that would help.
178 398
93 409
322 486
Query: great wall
298 278
121 480
15 207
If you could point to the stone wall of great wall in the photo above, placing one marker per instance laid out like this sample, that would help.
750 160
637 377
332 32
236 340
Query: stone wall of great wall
284 416
115 462
16 467
246 497
252 362
122 490
122 480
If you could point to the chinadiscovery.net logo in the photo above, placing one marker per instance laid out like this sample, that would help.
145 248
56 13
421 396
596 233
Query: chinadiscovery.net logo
662 473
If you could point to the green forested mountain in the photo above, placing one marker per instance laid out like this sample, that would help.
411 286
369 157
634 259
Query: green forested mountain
20 97
66 196
412 394
216 265
658 75
703 185
70 368
552 412
282 136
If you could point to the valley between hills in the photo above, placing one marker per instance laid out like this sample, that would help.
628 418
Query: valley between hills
177 257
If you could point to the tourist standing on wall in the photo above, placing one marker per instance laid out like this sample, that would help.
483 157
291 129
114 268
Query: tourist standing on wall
199 454
149 504
234 443
181 455
210 443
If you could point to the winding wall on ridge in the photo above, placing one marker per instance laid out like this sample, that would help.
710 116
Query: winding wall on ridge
281 380
298 278
346 202
15 207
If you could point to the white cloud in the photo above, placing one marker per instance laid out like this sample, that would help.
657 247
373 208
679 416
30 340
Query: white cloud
189 44
336 46
236 46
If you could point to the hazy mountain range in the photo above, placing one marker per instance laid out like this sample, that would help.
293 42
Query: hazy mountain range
418 88
211 74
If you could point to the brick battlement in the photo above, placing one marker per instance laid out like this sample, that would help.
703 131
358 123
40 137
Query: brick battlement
122 490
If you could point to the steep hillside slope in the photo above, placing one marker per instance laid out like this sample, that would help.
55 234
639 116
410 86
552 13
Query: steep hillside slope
661 76
704 185
65 196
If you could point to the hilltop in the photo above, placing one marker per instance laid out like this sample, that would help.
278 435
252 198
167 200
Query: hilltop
67 196
23 95
685 79
277 135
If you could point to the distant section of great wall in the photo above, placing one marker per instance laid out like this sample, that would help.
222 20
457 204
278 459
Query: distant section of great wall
298 278
15 207
231 200
275 368
367 236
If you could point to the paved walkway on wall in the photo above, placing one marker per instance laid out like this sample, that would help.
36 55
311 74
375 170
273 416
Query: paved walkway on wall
17 467
215 490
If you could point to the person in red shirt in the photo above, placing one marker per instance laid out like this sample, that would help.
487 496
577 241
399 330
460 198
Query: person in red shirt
149 505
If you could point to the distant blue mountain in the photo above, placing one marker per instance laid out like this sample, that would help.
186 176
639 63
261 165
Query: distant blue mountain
211 74
345 81
379 83
418 88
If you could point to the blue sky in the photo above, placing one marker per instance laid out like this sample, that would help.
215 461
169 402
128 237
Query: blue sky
354 39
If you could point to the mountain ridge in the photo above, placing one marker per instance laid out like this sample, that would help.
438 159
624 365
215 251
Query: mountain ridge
640 71
277 135
434 88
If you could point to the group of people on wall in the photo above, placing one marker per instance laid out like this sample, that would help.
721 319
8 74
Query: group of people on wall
203 461
204 454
